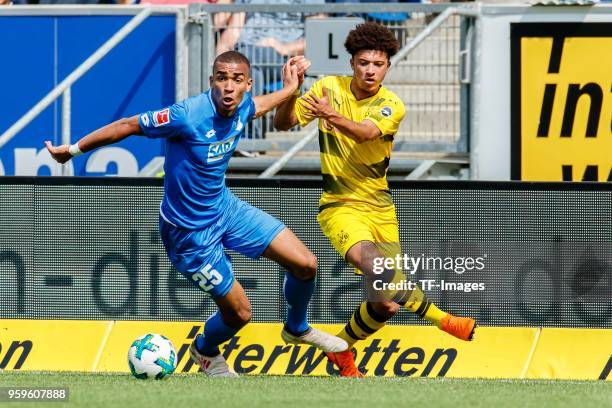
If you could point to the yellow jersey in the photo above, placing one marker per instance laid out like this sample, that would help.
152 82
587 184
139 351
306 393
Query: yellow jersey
354 172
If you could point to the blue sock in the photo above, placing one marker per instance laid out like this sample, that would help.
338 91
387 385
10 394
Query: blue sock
297 294
215 332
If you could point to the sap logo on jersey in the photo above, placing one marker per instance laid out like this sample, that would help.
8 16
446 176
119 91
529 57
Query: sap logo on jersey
217 150
161 117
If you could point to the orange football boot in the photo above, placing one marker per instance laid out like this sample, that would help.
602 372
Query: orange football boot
461 327
345 361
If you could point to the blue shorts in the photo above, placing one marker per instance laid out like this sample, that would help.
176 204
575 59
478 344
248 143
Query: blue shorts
199 254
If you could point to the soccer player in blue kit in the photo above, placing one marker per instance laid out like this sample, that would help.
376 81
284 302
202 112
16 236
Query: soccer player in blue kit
199 215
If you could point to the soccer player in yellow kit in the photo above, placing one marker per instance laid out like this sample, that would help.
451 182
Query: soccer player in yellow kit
358 119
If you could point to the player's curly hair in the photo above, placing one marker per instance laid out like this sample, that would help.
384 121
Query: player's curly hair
371 36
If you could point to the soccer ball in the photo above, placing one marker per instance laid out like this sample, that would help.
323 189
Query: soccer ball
152 356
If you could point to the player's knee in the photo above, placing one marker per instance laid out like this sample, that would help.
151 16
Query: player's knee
239 317
306 268
310 267
387 309
244 316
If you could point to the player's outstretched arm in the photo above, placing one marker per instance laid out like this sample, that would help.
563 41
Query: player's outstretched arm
109 134
285 117
293 76
359 132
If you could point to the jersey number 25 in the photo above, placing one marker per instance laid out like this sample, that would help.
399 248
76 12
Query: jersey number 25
207 278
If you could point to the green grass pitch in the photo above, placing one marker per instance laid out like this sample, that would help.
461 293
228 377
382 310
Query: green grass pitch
121 390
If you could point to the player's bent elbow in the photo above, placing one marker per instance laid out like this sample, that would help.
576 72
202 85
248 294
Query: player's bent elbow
362 138
128 126
130 121
281 127
282 124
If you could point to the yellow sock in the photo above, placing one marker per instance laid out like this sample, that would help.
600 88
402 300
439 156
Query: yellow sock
419 303
364 322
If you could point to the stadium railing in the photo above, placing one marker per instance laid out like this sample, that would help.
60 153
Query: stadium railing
63 88
426 76
430 74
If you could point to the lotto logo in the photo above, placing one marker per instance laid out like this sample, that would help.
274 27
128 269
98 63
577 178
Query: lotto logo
239 125
145 119
161 117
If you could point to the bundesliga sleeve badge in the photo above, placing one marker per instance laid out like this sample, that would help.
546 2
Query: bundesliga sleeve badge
386 111
161 117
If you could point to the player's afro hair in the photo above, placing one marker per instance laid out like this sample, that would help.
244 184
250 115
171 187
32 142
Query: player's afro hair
231 57
371 36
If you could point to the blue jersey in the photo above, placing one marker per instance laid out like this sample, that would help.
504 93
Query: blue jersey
199 145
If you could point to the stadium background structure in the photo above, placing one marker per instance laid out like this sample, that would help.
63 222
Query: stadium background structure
547 244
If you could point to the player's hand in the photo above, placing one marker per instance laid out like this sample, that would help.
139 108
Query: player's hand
291 79
319 107
302 65
59 153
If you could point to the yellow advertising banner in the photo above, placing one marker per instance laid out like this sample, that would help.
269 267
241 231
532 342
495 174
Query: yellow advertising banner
582 354
561 101
114 357
55 345
412 351
393 351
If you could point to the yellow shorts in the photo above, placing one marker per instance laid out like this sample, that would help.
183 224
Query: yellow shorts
347 225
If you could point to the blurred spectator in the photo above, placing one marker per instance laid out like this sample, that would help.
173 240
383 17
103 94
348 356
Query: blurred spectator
180 2
124 2
394 21
281 31
381 18
221 19
84 2
266 39
49 2
430 17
